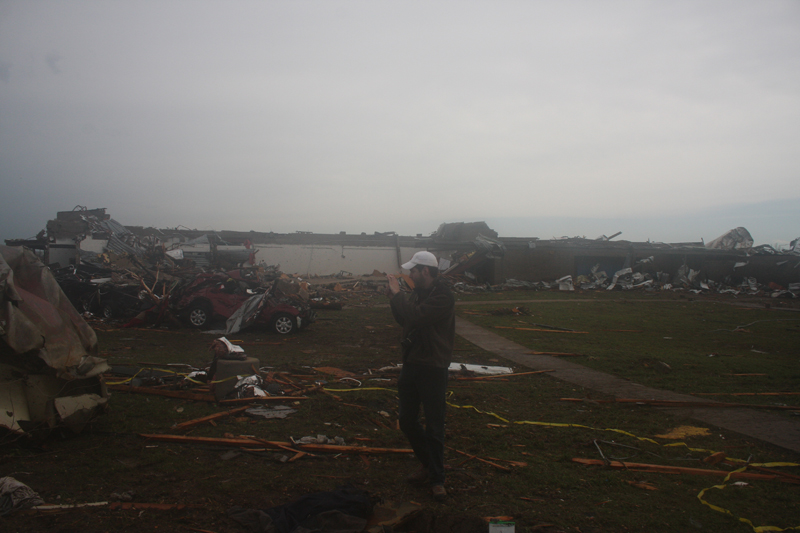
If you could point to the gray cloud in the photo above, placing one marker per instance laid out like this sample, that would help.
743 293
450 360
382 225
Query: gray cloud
5 71
357 116
52 59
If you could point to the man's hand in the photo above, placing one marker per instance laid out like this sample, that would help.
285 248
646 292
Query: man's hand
394 285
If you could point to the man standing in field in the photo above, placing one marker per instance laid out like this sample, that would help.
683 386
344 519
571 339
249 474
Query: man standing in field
427 316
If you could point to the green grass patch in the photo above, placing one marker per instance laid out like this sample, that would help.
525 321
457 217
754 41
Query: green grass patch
689 347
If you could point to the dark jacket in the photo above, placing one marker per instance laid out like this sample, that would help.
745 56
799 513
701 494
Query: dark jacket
429 324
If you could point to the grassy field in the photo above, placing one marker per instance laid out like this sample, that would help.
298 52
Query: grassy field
694 347
519 425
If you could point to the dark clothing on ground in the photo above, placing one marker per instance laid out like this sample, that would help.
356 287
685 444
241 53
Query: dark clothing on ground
428 320
344 510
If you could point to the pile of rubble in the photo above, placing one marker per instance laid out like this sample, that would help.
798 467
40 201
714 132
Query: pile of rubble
627 279
166 292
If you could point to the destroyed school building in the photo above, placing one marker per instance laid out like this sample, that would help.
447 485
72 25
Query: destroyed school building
472 255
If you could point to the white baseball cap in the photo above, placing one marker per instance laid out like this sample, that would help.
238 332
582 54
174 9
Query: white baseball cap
422 258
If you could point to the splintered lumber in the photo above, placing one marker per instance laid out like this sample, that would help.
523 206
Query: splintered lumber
169 393
334 448
714 458
278 445
641 485
678 403
796 479
286 381
509 461
470 456
337 398
663 469
233 441
109 505
253 442
209 418
333 371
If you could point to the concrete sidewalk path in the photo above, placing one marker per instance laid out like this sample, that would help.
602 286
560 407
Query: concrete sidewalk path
763 425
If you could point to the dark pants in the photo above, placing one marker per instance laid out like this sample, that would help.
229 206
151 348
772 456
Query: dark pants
426 386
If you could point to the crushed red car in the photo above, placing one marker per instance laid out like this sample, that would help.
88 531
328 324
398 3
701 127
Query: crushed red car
215 296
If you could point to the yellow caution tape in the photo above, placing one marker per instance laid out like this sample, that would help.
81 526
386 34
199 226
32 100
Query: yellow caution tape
757 529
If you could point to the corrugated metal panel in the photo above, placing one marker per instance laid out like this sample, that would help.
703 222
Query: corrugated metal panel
115 227
116 245
202 259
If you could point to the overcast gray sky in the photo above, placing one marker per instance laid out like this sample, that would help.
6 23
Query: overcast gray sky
668 120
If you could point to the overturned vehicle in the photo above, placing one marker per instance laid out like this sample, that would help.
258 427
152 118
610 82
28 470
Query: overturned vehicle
50 375
242 301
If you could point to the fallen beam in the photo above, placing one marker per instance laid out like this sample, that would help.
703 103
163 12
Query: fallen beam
662 469
253 442
215 416
470 456
109 505
287 448
796 479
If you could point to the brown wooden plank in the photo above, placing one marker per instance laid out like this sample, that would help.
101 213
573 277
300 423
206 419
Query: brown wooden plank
209 418
247 441
663 469
470 456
